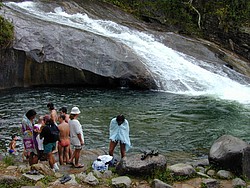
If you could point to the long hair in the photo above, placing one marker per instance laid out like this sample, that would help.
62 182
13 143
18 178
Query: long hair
30 113
50 105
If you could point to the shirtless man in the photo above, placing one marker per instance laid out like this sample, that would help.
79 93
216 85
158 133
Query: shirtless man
64 143
53 113
63 110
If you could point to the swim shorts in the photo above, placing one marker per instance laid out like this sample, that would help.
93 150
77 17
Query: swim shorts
11 151
64 143
49 147
77 147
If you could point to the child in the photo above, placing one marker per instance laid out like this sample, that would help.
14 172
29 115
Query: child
12 145
39 142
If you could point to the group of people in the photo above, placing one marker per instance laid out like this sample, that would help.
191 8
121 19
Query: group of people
64 133
53 132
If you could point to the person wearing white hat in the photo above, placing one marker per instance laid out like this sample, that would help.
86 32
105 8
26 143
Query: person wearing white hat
76 136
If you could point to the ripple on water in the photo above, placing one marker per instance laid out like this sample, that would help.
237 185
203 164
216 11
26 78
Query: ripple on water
177 125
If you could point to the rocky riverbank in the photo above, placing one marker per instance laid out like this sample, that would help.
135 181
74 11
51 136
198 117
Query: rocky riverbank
196 174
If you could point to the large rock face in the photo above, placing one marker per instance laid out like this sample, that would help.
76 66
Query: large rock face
46 53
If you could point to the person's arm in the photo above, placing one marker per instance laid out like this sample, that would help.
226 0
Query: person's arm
80 138
42 133
79 131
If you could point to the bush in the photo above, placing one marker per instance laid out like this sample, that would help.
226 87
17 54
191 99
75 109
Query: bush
6 33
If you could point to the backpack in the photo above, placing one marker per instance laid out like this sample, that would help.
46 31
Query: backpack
54 131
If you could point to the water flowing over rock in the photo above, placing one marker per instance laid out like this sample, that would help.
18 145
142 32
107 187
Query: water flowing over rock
52 54
49 53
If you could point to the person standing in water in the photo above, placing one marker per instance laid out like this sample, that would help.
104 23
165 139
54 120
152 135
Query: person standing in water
119 133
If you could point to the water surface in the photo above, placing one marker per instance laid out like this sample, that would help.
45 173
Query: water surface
179 126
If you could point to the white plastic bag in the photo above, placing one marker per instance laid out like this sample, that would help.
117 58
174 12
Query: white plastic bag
102 162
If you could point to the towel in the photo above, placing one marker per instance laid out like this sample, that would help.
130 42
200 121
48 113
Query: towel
120 132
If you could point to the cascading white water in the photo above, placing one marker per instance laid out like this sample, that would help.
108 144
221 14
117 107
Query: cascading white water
174 72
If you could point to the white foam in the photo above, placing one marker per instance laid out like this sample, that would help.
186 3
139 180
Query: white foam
173 71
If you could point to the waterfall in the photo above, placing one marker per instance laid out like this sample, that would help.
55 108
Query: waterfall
173 71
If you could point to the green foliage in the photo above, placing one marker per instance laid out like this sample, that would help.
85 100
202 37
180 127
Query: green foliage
230 13
9 160
181 14
47 179
6 32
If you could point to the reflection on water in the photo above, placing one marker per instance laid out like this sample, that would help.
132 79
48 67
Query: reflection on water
171 123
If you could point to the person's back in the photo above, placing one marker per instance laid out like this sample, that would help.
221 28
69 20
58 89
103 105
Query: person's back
63 128
50 133
64 143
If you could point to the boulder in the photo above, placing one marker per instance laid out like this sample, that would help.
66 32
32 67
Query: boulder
135 166
91 179
211 183
226 152
121 181
224 174
182 169
246 162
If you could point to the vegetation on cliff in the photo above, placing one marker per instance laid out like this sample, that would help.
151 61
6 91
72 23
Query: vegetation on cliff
6 32
189 16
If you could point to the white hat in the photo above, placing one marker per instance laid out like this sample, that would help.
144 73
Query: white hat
75 110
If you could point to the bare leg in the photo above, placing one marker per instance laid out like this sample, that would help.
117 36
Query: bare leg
33 159
70 152
51 159
77 156
123 149
66 154
60 153
112 146
72 156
